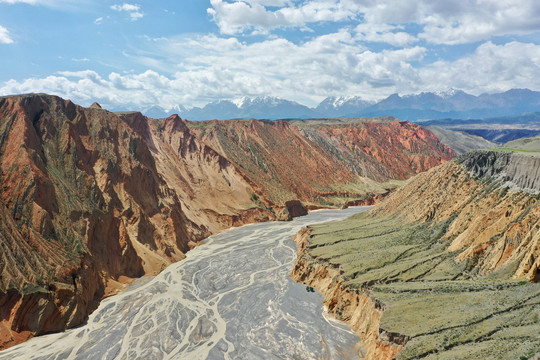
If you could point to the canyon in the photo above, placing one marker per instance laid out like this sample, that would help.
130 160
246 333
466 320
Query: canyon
231 298
445 267
91 200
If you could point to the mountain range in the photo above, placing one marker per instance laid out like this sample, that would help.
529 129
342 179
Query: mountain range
455 104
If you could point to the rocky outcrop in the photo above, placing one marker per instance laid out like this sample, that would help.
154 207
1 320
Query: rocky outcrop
518 171
92 199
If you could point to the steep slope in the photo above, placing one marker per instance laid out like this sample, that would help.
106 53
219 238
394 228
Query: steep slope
439 269
324 163
92 199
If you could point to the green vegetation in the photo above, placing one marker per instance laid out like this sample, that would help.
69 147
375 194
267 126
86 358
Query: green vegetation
449 310
515 150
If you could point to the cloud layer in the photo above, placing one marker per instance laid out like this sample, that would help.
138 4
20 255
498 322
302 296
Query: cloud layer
304 50
223 68
442 22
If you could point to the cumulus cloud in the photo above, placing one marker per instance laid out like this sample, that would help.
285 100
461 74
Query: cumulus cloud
133 10
5 38
441 21
490 68
384 33
212 67
239 16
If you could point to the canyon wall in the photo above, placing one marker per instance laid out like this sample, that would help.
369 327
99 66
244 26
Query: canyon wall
491 198
324 164
92 199
358 309
445 267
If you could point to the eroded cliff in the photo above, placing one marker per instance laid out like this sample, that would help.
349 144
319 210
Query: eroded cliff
92 199
326 164
452 258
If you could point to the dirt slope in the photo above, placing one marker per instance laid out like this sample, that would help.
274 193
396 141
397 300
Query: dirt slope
446 267
92 199
324 164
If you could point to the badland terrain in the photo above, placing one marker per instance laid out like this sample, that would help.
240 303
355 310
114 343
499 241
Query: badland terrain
92 199
446 267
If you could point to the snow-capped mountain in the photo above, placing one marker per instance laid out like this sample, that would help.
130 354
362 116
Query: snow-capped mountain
452 103
266 107
342 105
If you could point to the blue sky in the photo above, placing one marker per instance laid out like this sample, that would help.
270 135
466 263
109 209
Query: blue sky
137 54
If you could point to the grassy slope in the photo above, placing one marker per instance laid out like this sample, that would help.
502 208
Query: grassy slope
448 311
526 145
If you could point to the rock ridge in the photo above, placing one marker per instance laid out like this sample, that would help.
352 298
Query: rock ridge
516 170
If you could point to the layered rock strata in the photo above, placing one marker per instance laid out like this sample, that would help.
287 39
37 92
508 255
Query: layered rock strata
439 269
92 199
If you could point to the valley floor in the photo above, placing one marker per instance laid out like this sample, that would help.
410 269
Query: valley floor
231 298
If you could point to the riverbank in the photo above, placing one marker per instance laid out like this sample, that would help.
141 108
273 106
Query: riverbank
358 309
230 298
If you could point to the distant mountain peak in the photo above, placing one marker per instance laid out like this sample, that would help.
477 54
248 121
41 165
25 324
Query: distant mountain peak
445 94
448 103
246 101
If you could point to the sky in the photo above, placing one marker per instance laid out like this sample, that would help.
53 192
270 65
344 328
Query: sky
134 55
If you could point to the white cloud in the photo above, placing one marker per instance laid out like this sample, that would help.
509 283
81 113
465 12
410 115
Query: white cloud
441 21
99 20
490 68
132 9
239 16
384 33
5 38
212 67
328 65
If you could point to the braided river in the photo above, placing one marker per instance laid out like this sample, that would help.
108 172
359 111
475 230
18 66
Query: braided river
231 298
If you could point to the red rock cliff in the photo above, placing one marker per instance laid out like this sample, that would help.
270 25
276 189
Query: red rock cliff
92 199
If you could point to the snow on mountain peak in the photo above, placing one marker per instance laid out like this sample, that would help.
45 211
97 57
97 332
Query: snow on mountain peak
447 93
265 100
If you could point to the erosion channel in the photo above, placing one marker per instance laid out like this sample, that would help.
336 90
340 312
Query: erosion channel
231 298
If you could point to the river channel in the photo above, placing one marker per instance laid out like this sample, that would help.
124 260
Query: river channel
231 298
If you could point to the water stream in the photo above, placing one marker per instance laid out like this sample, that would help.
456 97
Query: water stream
231 298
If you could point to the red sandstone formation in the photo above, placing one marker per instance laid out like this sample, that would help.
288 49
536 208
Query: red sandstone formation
91 199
